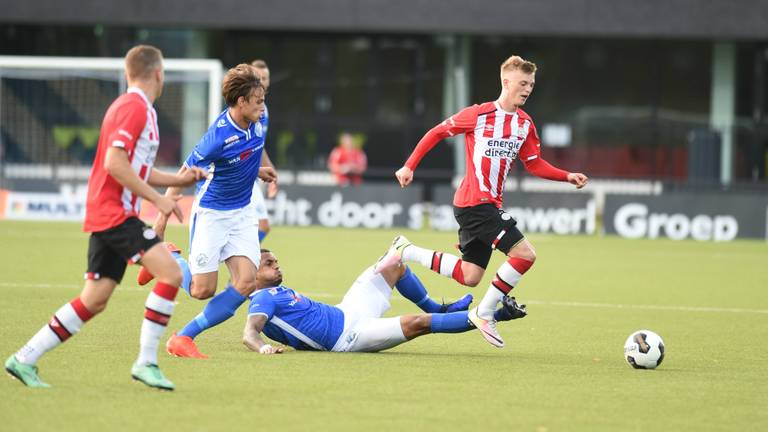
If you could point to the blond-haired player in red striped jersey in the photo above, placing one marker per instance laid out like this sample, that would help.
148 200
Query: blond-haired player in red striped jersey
496 134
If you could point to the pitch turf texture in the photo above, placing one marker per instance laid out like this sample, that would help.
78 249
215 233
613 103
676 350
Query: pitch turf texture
562 369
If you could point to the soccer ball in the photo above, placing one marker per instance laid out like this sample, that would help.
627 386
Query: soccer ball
644 349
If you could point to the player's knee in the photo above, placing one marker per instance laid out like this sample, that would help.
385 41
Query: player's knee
171 276
527 253
472 280
201 292
245 286
97 307
415 325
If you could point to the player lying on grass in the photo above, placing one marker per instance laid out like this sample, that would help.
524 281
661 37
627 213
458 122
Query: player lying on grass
355 324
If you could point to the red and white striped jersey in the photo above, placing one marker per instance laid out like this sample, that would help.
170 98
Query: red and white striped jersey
494 138
129 123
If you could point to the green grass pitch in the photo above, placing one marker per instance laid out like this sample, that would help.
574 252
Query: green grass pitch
562 370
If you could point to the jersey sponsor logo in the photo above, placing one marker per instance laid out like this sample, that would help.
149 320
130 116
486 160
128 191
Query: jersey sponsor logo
229 142
243 155
296 298
221 123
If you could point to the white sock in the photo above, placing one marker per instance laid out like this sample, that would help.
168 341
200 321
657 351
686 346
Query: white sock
506 278
64 324
413 253
438 262
489 302
157 313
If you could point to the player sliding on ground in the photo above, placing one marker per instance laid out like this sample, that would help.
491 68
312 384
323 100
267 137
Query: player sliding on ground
496 133
355 324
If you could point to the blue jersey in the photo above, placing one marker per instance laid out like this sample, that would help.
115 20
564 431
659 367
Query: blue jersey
297 321
232 156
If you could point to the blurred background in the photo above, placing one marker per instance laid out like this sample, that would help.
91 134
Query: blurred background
658 96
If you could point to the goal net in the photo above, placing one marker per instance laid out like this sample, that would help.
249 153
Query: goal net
51 110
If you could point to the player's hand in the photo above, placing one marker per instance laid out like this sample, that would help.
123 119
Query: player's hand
577 179
272 189
269 349
268 174
190 175
168 204
404 175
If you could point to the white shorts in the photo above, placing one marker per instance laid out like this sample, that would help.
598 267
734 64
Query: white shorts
363 305
215 235
257 203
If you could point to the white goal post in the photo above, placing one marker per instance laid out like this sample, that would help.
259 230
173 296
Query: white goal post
51 110
213 67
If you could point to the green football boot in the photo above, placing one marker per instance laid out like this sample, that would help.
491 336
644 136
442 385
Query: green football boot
25 373
152 376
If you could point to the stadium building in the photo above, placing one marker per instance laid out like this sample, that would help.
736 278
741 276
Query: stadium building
662 95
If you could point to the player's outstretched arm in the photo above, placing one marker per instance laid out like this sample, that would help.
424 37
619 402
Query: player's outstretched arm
119 167
252 336
543 169
183 178
173 192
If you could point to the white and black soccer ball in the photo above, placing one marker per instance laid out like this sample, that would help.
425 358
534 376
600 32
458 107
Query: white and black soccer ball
644 349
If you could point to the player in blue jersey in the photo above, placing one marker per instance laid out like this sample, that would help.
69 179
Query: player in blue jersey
221 227
257 199
355 324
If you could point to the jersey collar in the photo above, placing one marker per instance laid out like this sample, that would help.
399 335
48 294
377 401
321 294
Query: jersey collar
234 125
498 107
139 92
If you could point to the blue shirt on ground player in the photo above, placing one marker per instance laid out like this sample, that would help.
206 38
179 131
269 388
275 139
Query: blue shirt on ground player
232 156
297 321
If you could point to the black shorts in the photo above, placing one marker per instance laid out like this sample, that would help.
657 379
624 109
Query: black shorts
110 251
483 228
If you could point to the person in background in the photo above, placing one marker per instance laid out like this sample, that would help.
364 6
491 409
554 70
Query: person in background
347 163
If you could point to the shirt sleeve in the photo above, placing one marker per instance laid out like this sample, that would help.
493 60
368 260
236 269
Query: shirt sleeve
205 152
262 303
130 120
461 122
530 155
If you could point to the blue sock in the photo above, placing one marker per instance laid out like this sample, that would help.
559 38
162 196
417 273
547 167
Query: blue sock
219 309
454 322
411 288
262 234
185 273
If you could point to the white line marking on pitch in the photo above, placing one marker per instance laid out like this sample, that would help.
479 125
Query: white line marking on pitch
399 298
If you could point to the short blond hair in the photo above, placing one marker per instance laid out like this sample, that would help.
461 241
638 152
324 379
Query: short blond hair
516 62
142 60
